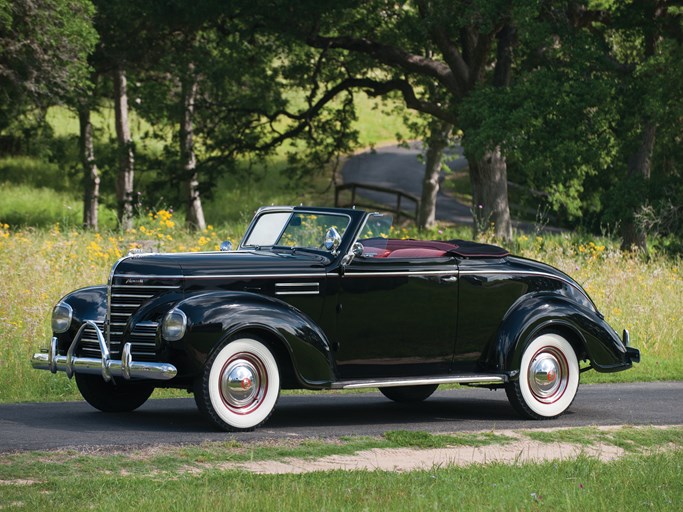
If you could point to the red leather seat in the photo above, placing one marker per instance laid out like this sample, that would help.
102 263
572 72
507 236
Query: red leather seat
417 252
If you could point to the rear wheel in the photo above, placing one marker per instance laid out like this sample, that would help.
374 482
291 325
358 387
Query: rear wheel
240 385
118 396
548 378
407 394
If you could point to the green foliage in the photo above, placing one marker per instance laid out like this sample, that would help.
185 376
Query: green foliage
43 49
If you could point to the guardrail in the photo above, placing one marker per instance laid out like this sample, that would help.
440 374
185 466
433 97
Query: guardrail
397 210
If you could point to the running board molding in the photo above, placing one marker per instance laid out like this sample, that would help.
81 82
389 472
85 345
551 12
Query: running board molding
423 381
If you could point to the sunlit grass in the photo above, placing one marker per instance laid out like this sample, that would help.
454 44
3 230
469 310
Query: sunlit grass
197 477
41 265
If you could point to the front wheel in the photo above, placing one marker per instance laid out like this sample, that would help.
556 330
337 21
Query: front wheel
240 385
548 378
119 396
409 394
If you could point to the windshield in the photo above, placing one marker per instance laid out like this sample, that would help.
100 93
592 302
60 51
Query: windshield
378 225
298 229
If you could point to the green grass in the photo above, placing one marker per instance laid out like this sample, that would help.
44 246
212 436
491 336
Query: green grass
204 478
631 439
419 439
39 266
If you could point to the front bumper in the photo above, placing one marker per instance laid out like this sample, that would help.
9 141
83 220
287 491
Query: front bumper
126 367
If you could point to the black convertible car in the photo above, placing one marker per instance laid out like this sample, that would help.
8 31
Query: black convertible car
320 298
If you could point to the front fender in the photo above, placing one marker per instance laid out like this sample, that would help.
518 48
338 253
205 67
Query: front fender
215 316
87 304
591 336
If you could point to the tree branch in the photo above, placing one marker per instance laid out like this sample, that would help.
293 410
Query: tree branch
393 56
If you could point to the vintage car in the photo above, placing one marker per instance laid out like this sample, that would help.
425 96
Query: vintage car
320 298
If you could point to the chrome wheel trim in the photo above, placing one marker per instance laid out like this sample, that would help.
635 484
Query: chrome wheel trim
243 383
548 375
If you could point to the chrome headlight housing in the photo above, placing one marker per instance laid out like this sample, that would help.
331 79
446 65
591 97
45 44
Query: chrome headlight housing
174 324
62 314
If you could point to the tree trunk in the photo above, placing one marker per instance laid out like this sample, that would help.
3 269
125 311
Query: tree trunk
488 174
124 178
91 176
639 170
490 207
194 216
436 143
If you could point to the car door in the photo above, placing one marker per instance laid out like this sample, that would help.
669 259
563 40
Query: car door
396 317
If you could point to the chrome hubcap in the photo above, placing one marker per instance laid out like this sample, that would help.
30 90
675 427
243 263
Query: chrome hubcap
548 375
240 383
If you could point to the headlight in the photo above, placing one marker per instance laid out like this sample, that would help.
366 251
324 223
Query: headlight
61 317
173 326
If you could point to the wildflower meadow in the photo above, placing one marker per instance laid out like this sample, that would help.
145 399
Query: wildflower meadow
39 266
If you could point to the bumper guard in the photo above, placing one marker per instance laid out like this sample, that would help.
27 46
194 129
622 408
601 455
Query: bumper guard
126 367
633 354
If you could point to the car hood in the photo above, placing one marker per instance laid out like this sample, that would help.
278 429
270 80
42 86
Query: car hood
220 264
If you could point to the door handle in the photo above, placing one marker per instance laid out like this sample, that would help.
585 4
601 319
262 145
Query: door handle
449 279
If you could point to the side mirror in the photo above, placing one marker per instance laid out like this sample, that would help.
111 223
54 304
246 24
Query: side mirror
226 246
332 239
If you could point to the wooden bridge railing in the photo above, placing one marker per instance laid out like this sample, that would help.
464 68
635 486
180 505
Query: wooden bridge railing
397 210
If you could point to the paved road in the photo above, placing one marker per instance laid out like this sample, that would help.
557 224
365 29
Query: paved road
176 421
400 168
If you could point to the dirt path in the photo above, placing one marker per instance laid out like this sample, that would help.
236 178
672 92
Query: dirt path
521 450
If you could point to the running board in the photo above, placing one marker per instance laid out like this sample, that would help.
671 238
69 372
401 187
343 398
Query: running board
422 381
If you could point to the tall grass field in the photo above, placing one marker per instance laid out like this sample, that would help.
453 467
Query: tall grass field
39 266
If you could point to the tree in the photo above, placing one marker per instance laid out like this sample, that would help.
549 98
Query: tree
43 50
412 48
646 45
91 175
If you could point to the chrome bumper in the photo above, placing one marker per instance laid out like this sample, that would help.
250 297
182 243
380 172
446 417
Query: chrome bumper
126 367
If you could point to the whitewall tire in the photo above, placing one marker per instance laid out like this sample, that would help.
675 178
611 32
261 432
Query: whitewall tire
548 378
240 385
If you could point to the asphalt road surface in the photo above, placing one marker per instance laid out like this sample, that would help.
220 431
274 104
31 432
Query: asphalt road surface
400 168
44 426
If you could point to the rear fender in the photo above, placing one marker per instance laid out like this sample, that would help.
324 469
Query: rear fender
590 335
216 316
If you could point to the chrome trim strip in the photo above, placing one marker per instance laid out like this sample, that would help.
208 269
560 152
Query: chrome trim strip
400 273
421 381
315 283
257 276
317 292
131 296
147 276
160 287
286 288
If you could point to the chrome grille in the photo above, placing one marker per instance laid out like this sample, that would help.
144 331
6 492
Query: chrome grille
142 340
126 299
89 346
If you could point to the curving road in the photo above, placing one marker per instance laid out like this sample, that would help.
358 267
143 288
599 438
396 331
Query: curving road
44 426
401 169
